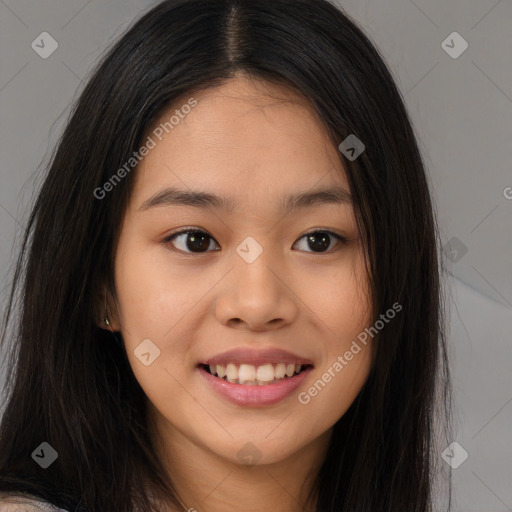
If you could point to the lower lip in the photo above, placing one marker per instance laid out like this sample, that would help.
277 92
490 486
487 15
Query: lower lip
255 396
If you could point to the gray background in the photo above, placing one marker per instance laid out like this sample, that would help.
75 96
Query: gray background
462 111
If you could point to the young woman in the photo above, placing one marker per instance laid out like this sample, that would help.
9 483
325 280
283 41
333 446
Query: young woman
229 287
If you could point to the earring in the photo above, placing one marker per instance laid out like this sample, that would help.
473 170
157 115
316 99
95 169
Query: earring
107 323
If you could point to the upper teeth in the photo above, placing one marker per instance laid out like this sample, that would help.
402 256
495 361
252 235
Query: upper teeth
248 373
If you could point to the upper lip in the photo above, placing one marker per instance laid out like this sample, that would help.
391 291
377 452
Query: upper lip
256 357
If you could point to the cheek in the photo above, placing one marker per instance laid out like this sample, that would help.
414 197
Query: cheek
152 301
334 390
152 294
340 296
343 307
158 301
346 361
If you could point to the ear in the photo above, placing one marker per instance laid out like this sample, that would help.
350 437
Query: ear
106 310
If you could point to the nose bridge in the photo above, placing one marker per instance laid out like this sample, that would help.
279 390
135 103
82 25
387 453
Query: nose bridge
254 294
254 277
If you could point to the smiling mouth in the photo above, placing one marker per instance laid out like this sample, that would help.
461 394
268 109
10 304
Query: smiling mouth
251 375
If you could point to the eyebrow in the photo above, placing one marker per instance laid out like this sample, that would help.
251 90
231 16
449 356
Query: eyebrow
173 196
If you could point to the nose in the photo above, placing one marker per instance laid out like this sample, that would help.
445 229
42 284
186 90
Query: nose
256 297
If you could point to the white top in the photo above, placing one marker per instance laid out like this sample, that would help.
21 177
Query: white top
20 503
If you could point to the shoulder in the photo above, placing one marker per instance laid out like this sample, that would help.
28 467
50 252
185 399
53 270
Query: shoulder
21 503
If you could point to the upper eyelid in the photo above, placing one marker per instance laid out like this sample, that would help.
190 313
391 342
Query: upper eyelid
198 230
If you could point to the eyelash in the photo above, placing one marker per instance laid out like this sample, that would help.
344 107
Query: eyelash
185 231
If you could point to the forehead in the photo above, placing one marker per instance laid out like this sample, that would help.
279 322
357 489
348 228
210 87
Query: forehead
243 136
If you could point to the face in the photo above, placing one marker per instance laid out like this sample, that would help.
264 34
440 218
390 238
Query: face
254 286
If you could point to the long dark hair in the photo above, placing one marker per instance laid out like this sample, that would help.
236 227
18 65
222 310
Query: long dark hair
70 385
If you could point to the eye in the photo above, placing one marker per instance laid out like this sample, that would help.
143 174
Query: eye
198 241
190 240
320 241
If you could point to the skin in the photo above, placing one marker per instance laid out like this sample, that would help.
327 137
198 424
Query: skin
256 143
